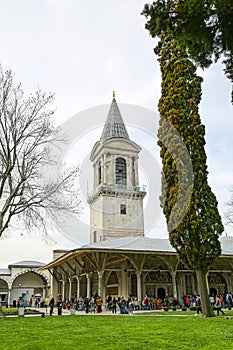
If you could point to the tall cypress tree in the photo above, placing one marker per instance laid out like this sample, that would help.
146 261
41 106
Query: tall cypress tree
189 205
203 27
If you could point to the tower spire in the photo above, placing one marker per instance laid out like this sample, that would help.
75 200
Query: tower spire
114 126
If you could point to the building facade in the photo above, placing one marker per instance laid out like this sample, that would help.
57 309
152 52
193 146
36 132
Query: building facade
116 203
120 260
26 281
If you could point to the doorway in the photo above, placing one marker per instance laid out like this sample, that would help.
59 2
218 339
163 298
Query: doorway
161 293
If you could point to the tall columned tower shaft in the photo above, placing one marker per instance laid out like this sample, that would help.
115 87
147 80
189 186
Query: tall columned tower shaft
116 203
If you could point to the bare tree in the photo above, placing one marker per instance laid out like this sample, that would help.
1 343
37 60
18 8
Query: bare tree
33 185
228 215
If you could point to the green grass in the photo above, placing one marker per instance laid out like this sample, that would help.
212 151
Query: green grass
9 311
100 332
13 311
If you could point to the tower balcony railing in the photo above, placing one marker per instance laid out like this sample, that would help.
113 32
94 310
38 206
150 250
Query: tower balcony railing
117 187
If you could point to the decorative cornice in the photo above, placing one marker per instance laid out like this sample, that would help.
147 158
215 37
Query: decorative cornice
116 191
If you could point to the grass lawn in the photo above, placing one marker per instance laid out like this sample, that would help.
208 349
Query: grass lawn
12 311
116 332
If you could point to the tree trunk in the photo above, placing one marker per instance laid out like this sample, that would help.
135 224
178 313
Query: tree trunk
207 310
1 313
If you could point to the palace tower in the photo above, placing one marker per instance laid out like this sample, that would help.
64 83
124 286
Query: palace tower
116 203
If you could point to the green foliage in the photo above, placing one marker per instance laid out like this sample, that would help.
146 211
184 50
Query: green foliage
15 311
203 28
181 135
10 311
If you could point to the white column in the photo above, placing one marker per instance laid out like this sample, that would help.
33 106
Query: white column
9 297
136 171
103 168
112 170
88 284
70 287
128 173
139 288
100 284
63 290
174 284
95 177
53 280
78 287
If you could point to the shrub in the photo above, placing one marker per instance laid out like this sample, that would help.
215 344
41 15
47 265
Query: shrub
192 308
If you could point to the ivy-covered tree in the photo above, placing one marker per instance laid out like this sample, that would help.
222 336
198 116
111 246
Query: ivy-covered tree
203 28
189 205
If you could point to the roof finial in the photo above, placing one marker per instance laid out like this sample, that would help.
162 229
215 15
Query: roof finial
113 94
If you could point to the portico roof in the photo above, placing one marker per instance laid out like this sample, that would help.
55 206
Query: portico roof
144 245
133 244
120 245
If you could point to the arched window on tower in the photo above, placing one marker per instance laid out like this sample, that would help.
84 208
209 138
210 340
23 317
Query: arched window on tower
121 178
99 173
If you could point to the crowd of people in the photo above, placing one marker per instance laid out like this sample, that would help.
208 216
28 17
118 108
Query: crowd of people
95 304
218 302
124 305
34 301
226 302
128 305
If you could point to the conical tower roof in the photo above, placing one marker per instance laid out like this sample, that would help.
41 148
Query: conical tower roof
114 126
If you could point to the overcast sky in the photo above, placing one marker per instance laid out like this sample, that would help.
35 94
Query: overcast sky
82 51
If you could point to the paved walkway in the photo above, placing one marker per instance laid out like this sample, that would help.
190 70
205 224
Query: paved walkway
66 312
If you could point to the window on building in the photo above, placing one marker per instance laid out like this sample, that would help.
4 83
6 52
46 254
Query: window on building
94 236
134 284
123 209
121 174
188 284
99 173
